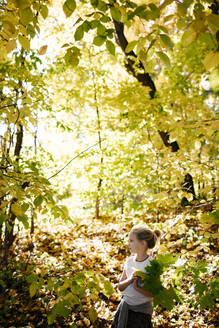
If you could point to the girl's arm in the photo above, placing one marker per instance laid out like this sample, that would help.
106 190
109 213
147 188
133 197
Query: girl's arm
124 282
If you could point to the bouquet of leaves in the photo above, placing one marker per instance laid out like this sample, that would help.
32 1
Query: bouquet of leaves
151 280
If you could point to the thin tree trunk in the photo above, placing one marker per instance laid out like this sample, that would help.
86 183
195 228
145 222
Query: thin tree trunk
122 204
97 207
9 227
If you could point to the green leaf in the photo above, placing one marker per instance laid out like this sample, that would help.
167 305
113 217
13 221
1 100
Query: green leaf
110 47
166 259
44 11
31 31
3 218
215 215
79 33
130 46
92 314
211 61
166 41
214 285
198 10
3 284
188 37
115 13
110 32
26 16
167 298
24 42
108 289
23 3
62 309
11 45
105 19
80 278
164 58
94 3
31 278
69 7
181 24
183 6
213 20
51 317
75 50
99 40
38 201
139 10
207 300
164 29
207 39
72 299
86 26
200 288
9 26
33 288
155 10
9 227
101 29
24 220
152 284
102 6
94 23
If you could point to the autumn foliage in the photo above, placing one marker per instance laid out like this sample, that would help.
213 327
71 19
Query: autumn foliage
108 118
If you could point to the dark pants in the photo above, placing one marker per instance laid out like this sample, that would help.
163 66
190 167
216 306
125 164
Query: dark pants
135 320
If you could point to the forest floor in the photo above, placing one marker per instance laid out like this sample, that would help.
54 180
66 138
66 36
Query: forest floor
59 251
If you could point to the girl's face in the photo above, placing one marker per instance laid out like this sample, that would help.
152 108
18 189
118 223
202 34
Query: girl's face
136 245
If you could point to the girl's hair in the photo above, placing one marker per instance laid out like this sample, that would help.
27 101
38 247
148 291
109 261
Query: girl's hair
151 237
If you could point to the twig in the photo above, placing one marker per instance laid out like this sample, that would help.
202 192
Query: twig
84 151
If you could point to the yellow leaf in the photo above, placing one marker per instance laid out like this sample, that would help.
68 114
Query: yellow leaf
87 322
130 46
22 4
26 16
188 37
211 60
214 80
25 43
43 50
23 30
92 314
11 45
33 288
16 209
8 26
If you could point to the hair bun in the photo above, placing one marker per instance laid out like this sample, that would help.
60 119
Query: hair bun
157 233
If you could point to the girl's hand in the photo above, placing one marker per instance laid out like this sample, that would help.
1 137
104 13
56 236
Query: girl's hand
134 279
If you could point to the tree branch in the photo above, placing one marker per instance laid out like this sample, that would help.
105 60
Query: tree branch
144 78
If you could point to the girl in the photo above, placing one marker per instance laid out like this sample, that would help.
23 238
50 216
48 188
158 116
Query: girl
135 308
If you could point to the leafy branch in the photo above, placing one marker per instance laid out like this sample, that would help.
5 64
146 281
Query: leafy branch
151 280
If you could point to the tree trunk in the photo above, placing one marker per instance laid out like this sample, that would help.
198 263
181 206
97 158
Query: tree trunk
98 199
9 227
122 204
100 147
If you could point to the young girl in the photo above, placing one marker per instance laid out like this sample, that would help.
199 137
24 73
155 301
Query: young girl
135 308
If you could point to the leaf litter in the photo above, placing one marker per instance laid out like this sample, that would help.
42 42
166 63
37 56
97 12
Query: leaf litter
60 251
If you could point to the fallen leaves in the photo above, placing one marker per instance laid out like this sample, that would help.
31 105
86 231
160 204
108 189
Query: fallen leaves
97 247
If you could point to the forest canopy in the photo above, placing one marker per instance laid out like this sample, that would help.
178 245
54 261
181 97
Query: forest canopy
108 109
